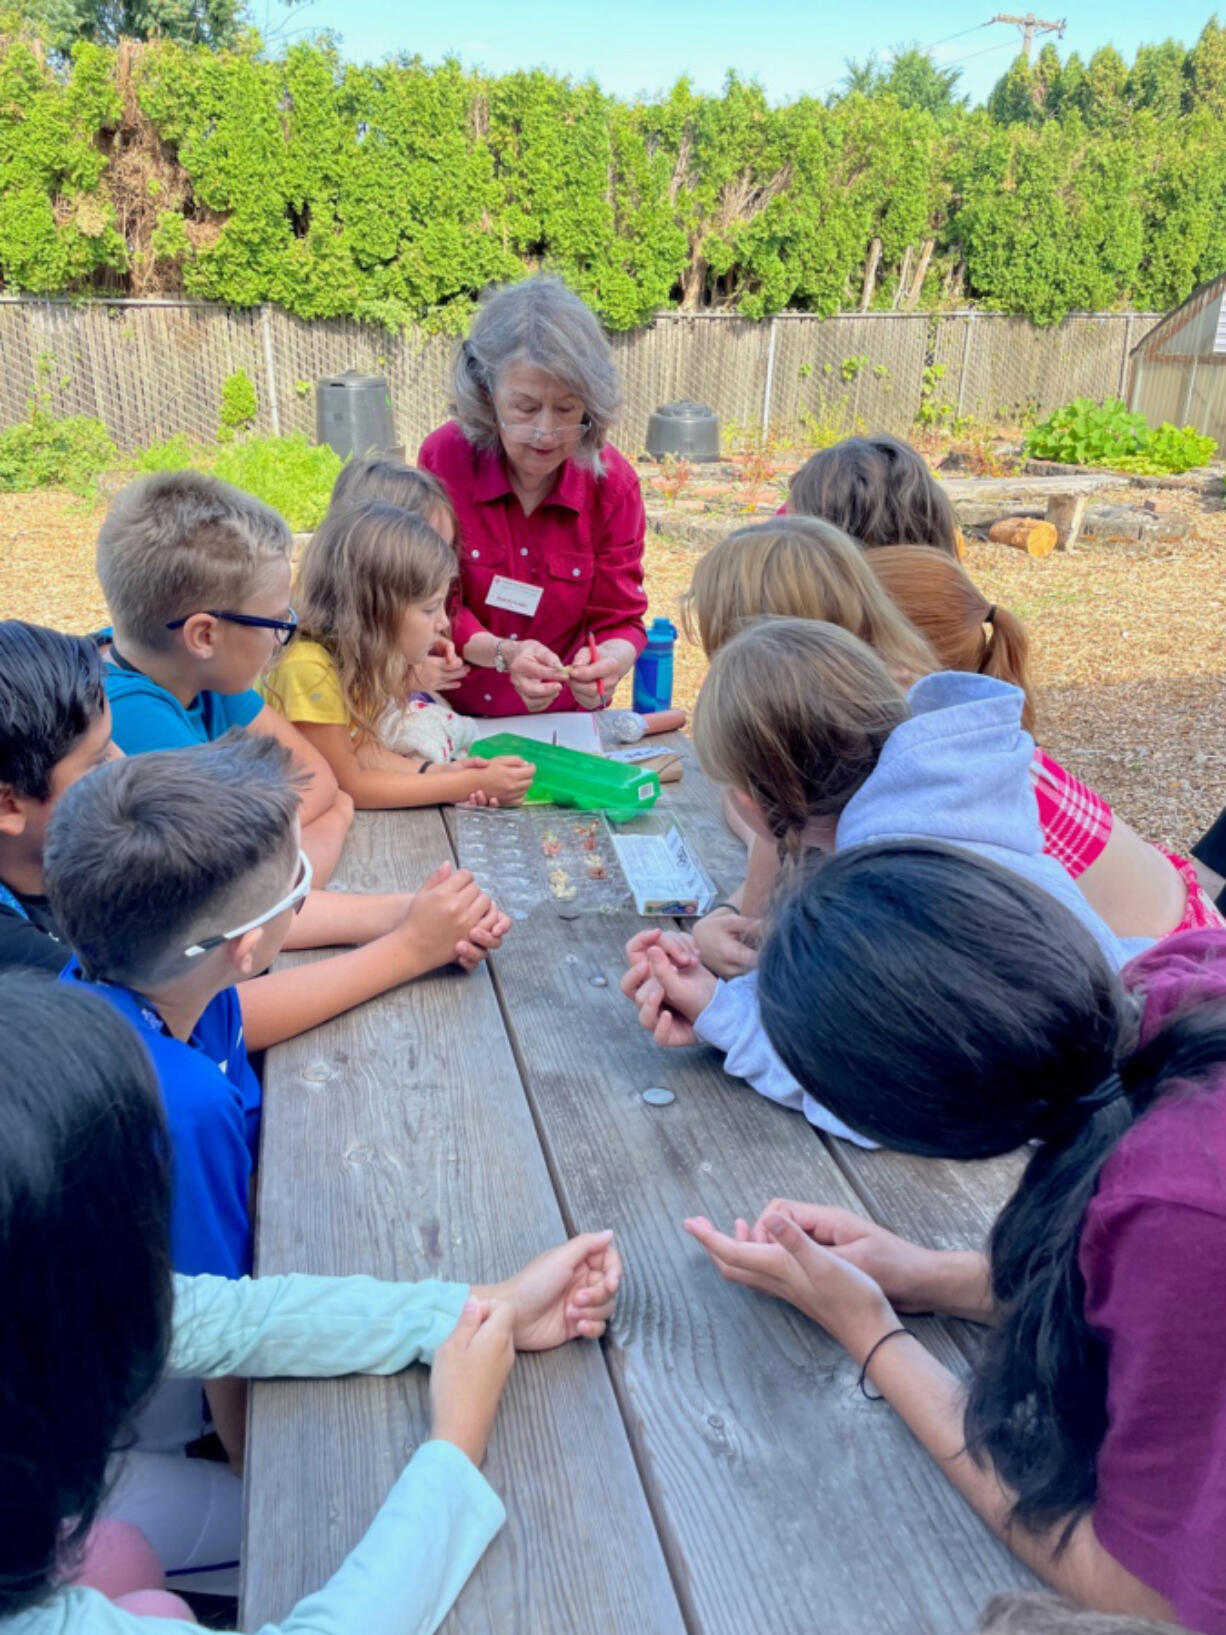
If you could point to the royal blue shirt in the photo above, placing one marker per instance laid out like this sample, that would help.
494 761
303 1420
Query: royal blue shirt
147 717
212 1101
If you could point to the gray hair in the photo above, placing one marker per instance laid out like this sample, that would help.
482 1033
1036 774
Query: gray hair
180 543
541 322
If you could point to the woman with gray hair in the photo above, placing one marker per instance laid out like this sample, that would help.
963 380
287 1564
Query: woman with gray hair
550 516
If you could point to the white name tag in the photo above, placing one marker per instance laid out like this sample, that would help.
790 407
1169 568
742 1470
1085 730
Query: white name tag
514 595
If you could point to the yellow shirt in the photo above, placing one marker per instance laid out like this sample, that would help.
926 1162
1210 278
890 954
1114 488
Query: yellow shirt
304 686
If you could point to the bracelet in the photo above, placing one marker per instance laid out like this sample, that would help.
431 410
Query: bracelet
876 1396
425 766
731 907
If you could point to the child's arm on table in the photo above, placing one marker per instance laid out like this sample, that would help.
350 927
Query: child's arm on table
728 937
346 919
779 1258
450 918
325 811
379 779
680 1002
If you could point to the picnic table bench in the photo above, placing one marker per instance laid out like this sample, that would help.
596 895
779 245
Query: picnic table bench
710 1468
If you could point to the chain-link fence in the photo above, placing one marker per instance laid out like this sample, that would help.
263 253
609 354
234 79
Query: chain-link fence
151 369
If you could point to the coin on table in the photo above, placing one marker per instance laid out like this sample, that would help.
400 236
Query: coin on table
655 1097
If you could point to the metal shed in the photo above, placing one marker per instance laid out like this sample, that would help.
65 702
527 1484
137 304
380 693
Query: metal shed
1178 372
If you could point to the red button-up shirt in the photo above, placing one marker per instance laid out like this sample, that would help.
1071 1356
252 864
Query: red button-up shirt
583 545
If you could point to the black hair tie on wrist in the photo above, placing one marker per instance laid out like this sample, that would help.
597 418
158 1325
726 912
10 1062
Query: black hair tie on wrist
876 1396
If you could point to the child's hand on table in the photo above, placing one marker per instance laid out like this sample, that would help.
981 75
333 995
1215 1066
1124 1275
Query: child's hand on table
484 938
567 1293
669 996
728 942
777 1257
470 1369
504 781
444 912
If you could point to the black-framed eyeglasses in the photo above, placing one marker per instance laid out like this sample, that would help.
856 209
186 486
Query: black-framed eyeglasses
285 628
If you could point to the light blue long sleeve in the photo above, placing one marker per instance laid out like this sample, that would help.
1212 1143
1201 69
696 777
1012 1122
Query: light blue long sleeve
732 1023
434 1526
304 1327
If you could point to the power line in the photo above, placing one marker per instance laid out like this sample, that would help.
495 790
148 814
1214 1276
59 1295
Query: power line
986 52
1031 25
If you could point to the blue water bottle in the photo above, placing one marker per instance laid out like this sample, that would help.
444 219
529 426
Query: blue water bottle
653 672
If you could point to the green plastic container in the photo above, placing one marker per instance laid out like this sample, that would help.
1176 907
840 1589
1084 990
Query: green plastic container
568 777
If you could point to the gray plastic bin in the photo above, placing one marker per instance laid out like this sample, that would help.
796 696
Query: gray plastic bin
689 431
353 414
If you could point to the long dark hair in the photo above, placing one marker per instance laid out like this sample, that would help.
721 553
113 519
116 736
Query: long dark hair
84 1265
945 1006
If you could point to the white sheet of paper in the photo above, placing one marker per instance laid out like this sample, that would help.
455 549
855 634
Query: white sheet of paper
576 729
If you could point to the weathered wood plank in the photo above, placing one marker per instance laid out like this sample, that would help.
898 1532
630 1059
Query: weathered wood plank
398 1141
785 1501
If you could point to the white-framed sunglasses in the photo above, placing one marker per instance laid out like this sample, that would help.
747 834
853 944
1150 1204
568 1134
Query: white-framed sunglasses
293 899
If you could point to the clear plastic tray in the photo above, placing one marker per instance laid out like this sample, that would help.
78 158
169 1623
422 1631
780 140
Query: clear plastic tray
529 858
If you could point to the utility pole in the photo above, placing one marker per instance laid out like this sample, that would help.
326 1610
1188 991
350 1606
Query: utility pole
1031 25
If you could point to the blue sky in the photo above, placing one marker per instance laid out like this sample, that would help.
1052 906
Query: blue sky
644 45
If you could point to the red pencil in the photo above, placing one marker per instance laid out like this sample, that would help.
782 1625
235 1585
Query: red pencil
594 658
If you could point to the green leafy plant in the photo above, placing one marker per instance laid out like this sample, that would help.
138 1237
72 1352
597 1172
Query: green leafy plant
176 453
293 476
934 409
1109 434
239 405
43 452
851 367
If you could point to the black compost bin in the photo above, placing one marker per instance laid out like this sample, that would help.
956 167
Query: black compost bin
690 431
353 414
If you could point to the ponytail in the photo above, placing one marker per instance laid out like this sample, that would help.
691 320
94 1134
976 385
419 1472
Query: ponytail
964 629
1037 1406
945 1006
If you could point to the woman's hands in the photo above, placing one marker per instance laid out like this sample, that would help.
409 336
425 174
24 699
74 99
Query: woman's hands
537 673
592 681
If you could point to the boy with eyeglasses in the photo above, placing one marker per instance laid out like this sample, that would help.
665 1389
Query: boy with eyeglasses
55 728
196 576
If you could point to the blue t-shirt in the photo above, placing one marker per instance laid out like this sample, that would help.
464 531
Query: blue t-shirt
147 717
212 1101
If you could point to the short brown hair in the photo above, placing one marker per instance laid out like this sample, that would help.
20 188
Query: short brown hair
878 490
796 712
798 568
179 543
379 477
150 852
965 630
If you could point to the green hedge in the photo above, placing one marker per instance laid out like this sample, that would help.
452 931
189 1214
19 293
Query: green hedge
397 192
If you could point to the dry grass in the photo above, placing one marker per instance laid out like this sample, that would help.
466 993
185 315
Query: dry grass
1129 645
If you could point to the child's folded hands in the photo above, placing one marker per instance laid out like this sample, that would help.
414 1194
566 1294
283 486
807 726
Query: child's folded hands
567 1293
668 984
728 942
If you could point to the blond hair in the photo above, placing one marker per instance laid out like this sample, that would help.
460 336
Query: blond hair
796 712
379 477
798 568
364 566
179 543
965 630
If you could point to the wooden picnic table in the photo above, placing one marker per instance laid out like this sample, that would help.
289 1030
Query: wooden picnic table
710 1467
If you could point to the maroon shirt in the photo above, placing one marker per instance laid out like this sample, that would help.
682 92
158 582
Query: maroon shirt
583 545
1153 1254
